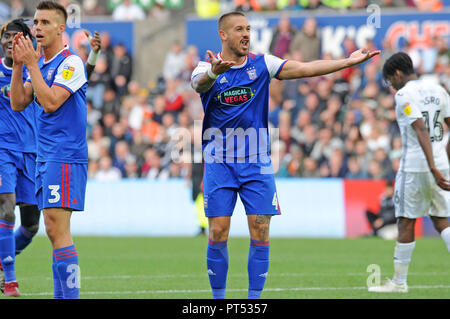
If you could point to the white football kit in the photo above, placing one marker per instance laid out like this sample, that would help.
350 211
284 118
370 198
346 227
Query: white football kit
416 191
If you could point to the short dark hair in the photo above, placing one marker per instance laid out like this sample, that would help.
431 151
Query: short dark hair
18 25
399 61
226 16
51 5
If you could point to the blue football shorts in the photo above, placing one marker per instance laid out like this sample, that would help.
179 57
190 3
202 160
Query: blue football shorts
17 171
254 182
61 185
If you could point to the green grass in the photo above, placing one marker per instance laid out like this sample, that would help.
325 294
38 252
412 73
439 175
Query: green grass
174 268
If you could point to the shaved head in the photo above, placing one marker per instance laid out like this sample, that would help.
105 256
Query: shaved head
56 7
225 18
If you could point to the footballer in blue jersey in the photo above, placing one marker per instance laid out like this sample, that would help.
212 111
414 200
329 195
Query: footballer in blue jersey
57 89
234 89
17 167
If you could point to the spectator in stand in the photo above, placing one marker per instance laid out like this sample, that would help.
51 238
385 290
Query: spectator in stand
138 147
375 170
336 164
307 41
121 155
325 145
128 11
150 129
159 107
247 5
173 96
309 168
107 50
107 172
99 81
99 144
174 64
292 5
282 37
443 55
155 171
19 10
93 8
111 102
121 69
139 110
354 169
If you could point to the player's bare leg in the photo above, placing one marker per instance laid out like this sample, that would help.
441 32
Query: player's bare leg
258 257
442 225
57 226
217 254
219 227
7 245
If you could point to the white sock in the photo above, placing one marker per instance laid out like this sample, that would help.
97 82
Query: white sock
402 258
445 234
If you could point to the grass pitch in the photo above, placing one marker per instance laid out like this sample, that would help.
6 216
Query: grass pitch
175 268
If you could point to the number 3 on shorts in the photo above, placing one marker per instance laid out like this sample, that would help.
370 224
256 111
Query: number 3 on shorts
54 192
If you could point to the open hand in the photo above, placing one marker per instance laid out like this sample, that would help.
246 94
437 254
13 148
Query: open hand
95 41
23 50
440 179
362 55
219 66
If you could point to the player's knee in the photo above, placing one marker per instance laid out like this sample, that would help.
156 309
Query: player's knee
29 217
7 205
218 232
440 223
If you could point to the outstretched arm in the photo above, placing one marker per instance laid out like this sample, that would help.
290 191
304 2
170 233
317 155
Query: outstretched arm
424 141
295 69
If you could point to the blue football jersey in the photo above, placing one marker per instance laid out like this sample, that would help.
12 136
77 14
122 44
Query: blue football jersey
62 134
17 129
236 108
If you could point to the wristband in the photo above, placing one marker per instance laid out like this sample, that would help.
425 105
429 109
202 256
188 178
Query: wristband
212 75
92 58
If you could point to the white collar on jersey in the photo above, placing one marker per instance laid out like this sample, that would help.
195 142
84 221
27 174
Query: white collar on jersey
235 66
5 66
66 47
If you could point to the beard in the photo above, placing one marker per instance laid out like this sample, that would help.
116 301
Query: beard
237 51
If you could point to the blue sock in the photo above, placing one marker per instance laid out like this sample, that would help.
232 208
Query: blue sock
23 238
258 267
7 248
68 271
217 263
57 288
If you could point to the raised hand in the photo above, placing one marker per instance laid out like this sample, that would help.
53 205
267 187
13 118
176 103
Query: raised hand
95 41
23 50
362 55
219 66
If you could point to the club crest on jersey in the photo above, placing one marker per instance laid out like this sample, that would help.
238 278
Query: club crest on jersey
407 108
68 72
6 91
252 74
236 96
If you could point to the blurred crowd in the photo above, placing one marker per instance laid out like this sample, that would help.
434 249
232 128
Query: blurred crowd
340 125
123 10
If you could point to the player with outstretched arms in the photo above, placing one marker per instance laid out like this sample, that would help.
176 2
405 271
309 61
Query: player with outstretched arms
234 88
422 180
57 88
